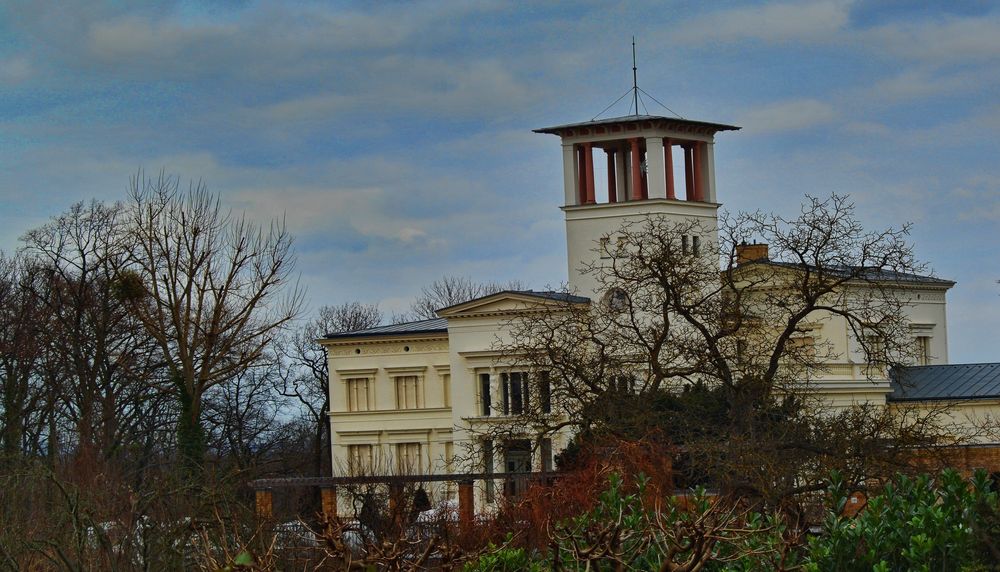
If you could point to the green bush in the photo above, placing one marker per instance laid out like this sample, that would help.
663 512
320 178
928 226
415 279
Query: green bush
923 524
628 528
505 559
918 524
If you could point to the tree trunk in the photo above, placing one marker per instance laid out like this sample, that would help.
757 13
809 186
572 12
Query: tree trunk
13 414
191 444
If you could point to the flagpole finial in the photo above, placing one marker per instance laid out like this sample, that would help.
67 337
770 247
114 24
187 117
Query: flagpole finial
635 81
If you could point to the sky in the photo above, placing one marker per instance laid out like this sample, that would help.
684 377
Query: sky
395 137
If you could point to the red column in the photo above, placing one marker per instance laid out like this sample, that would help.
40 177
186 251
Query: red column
588 155
699 194
581 185
328 501
264 503
688 173
636 170
612 178
466 503
668 166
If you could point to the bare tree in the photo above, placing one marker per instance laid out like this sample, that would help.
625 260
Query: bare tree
717 361
451 290
305 373
21 324
213 290
97 348
247 420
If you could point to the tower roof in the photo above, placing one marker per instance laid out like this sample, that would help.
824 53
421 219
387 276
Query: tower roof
642 121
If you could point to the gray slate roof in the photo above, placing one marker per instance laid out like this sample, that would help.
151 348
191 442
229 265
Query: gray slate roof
551 295
865 273
436 325
634 118
945 382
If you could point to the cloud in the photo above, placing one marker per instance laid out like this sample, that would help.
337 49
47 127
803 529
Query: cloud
434 88
14 70
979 198
300 109
789 115
920 83
771 23
867 129
166 46
940 40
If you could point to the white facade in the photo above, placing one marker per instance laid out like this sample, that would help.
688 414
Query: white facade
414 401
413 397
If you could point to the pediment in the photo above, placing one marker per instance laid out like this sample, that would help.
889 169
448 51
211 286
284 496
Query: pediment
503 303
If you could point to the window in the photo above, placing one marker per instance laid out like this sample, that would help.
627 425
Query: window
446 388
408 392
359 459
801 347
514 389
741 352
876 349
605 252
616 300
696 245
516 392
517 456
622 243
685 249
359 397
545 392
623 383
408 459
922 350
484 393
517 459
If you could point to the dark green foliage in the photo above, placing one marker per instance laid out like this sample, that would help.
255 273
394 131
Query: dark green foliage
927 524
628 529
506 559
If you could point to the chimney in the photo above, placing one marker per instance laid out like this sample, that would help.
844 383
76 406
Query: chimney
750 252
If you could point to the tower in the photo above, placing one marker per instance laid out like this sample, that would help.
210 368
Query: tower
656 166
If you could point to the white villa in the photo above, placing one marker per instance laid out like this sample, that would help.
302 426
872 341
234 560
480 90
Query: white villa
408 397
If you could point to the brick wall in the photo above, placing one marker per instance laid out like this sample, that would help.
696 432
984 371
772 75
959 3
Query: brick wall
966 459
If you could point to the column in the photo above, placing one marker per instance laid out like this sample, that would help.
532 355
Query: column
636 170
709 176
655 184
688 173
621 173
264 498
612 177
588 155
668 166
328 501
569 175
466 502
699 185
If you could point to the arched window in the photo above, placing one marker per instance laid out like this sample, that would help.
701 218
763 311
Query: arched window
616 300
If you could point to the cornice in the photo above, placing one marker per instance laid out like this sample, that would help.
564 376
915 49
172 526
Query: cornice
382 339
